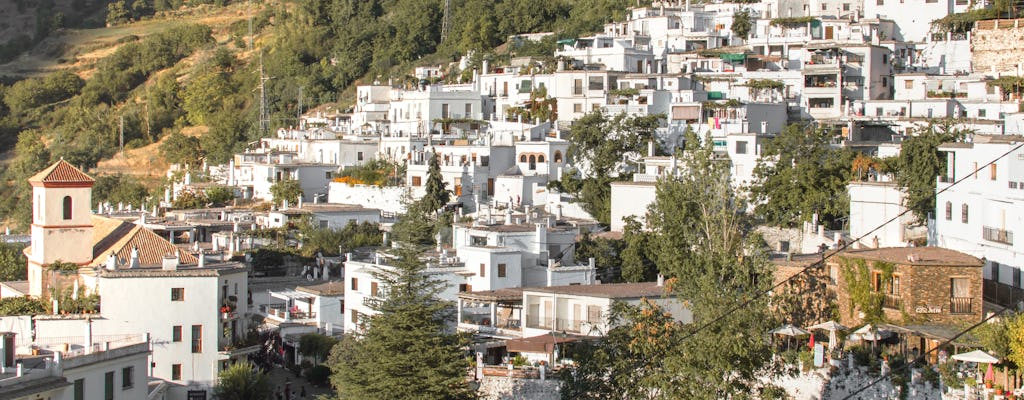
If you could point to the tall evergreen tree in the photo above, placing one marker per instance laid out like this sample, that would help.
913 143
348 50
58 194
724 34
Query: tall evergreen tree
406 350
919 163
437 195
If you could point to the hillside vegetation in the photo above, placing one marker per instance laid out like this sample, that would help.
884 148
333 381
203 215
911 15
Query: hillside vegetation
164 66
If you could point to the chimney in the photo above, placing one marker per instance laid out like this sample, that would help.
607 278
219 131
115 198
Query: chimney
142 218
134 263
202 259
650 148
558 212
661 280
111 262
170 262
508 215
300 202
284 204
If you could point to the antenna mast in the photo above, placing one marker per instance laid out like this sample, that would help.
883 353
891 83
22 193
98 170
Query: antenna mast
445 21
264 119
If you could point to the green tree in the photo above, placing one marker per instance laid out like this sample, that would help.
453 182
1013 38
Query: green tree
920 163
242 381
741 24
406 350
437 195
632 362
799 174
606 253
13 264
117 13
21 306
286 190
1015 339
119 188
600 143
316 345
704 243
178 148
219 195
637 265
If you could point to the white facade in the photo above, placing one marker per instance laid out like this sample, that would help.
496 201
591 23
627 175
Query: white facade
979 215
193 339
256 172
872 205
913 17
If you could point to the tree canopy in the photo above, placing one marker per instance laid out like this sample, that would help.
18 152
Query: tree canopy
920 163
242 381
405 351
799 174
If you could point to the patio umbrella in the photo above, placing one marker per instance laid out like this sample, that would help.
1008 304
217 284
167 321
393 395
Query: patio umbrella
976 356
989 374
832 327
870 333
789 330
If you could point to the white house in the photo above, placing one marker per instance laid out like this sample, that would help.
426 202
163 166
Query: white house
105 368
321 306
978 216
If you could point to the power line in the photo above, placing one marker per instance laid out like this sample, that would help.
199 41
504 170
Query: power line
921 357
826 255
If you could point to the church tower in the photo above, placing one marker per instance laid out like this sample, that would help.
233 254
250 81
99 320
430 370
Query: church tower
61 221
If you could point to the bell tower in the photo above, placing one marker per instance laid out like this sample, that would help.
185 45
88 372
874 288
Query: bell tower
61 221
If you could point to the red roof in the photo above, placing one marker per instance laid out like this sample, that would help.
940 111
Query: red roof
61 173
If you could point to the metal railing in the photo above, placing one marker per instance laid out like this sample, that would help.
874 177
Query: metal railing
961 305
281 311
997 235
891 301
1001 293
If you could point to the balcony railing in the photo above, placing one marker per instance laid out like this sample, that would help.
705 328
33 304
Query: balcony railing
997 235
1001 293
961 305
891 301
560 324
281 312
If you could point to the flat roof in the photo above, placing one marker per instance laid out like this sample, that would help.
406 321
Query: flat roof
332 288
607 290
182 271
507 294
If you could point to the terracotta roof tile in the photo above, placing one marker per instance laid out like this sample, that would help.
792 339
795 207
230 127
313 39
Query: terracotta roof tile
61 172
111 236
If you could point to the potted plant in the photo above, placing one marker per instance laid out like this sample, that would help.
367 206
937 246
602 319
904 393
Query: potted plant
998 389
988 384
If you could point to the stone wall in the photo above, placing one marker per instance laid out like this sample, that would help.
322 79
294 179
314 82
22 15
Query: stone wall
505 388
997 45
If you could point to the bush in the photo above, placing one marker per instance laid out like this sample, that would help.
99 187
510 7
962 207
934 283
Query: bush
773 392
807 358
318 375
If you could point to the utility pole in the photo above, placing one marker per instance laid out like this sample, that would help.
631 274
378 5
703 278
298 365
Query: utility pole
445 21
248 7
298 115
264 119
120 128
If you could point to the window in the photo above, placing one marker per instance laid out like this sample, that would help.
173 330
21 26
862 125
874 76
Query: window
824 7
959 287
355 317
373 289
197 338
878 111
355 284
577 107
885 58
501 270
596 83
577 87
963 213
908 84
67 207
80 389
992 172
558 156
949 211
176 372
741 147
127 377
846 6
1016 277
995 271
416 181
176 333
359 156
108 385
483 270
444 111
469 110
327 175
177 294
540 158
465 287
894 288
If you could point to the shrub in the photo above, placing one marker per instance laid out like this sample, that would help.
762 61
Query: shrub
318 375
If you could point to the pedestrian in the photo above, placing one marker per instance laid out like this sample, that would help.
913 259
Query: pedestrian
302 392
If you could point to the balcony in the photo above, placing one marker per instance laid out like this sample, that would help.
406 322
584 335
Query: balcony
997 235
563 325
961 305
282 313
891 301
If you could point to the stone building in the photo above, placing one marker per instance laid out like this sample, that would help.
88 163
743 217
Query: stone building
919 285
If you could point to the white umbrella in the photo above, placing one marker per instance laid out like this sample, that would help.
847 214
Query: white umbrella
976 356
870 333
790 330
831 327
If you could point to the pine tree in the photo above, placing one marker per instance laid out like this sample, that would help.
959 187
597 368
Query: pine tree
406 351
437 195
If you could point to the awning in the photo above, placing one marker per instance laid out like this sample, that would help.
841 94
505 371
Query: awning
537 344
733 56
566 41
